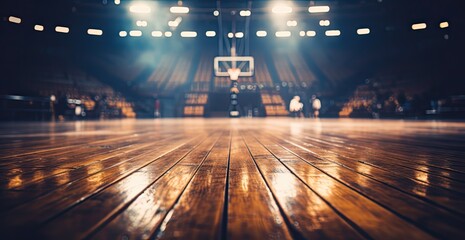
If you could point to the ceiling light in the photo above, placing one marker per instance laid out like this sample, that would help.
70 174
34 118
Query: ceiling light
318 9
281 34
179 9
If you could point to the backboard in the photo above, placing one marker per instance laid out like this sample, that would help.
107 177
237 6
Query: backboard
223 64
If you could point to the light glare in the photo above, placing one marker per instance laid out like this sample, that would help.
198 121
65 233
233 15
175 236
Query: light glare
324 23
39 28
261 33
291 23
168 34
135 33
179 9
444 25
318 9
157 34
139 8
96 32
282 9
210 33
61 29
188 34
282 34
311 33
216 13
123 33
419 26
13 19
245 13
239 35
333 33
363 31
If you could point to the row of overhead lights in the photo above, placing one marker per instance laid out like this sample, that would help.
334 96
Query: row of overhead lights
260 33
278 9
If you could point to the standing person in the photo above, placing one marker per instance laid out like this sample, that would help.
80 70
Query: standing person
295 107
316 105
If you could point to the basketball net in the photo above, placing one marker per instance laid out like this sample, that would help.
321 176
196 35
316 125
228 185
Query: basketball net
234 73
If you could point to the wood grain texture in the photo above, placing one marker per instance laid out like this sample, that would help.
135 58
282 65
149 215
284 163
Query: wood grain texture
233 179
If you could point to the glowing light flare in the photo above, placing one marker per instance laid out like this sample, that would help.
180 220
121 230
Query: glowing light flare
123 33
444 25
311 33
245 13
135 33
117 2
139 8
324 23
168 34
141 23
333 33
291 23
179 9
419 26
239 35
363 31
230 35
261 33
210 33
283 34
302 33
282 9
61 29
216 13
14 19
157 34
95 32
318 9
188 34
175 22
39 28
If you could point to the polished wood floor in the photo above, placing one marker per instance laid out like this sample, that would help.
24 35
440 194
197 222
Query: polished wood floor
233 179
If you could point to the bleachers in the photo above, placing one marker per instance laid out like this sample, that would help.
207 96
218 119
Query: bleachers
203 74
284 71
274 104
194 104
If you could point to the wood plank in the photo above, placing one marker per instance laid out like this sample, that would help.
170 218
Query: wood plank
317 220
252 211
360 210
199 212
418 212
64 198
138 216
452 201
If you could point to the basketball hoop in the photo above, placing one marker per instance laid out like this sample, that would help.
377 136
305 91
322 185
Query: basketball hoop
234 73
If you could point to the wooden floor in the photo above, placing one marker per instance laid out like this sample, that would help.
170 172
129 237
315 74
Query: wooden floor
233 179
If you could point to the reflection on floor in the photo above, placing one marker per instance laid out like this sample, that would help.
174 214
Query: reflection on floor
233 178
